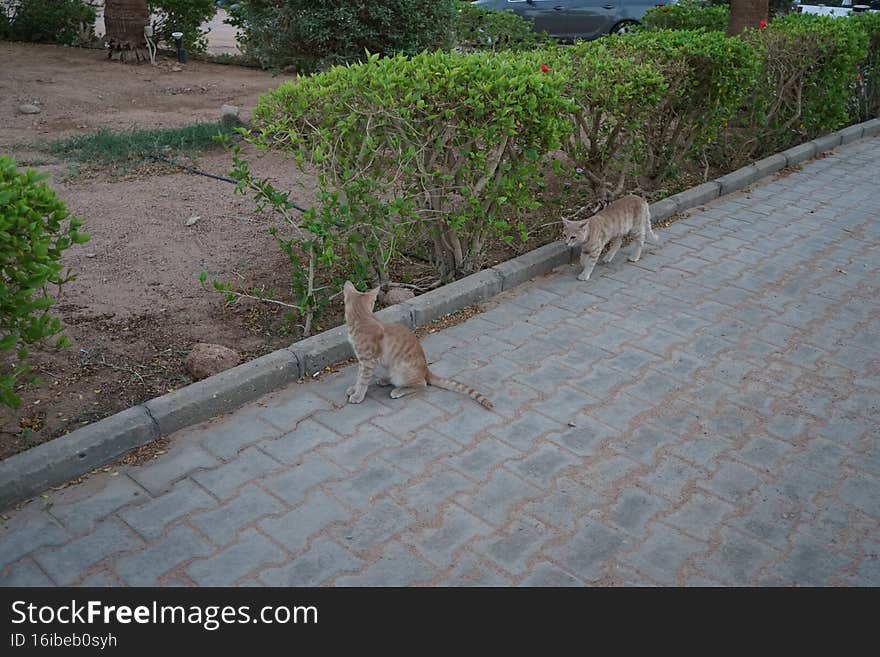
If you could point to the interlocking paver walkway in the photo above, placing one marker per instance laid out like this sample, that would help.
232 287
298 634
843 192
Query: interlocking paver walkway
706 416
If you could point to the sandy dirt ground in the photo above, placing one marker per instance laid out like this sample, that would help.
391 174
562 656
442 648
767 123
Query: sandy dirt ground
136 306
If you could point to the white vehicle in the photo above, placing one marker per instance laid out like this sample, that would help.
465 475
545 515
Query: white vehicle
839 8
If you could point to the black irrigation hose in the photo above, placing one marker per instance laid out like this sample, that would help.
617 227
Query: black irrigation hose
160 158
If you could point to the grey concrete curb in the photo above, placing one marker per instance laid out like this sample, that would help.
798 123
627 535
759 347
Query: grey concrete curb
58 461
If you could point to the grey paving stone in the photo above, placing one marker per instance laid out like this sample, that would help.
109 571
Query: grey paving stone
763 453
24 573
586 437
224 440
567 504
290 447
523 432
251 554
498 496
349 419
94 501
863 492
542 466
604 472
644 442
413 414
380 522
294 529
285 409
158 475
700 516
426 497
27 533
228 478
808 564
471 571
590 550
398 566
548 574
732 481
457 528
482 457
662 555
66 564
633 509
416 455
671 477
150 519
293 483
374 479
351 452
324 560
512 548
222 524
147 566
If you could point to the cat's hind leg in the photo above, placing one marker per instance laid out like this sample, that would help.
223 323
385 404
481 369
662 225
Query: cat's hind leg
615 246
403 391
640 242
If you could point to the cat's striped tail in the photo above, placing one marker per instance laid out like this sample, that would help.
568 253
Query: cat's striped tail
455 386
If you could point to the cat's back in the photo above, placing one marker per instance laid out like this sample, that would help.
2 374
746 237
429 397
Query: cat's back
399 342
621 215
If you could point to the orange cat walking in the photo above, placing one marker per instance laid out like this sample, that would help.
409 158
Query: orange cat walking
393 347
630 215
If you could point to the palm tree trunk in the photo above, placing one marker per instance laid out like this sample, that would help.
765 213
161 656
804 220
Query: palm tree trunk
124 21
746 13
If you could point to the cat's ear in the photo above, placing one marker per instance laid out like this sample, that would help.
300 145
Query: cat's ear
349 287
373 294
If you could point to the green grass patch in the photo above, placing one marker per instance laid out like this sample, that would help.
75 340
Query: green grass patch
107 147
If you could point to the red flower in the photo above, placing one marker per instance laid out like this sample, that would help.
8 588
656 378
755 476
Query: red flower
545 68
858 77
665 9
762 24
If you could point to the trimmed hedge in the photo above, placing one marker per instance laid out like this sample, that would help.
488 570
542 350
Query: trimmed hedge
69 22
481 29
708 75
688 15
309 36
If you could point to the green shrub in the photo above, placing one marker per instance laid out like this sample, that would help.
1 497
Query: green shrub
182 16
437 153
708 75
806 84
866 93
309 35
614 99
5 26
70 22
688 15
480 29
35 228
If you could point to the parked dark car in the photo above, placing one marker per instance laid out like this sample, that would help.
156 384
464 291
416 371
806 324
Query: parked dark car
577 19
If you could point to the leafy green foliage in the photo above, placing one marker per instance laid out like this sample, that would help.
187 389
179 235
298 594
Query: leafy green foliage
70 22
865 103
439 149
310 35
182 16
708 75
108 147
480 29
807 82
614 98
688 15
35 228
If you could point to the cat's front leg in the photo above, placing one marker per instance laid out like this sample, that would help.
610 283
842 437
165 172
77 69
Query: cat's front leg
588 262
357 392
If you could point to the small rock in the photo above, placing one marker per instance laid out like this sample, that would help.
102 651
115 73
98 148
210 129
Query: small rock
207 359
28 109
230 115
398 295
90 255
176 69
192 221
